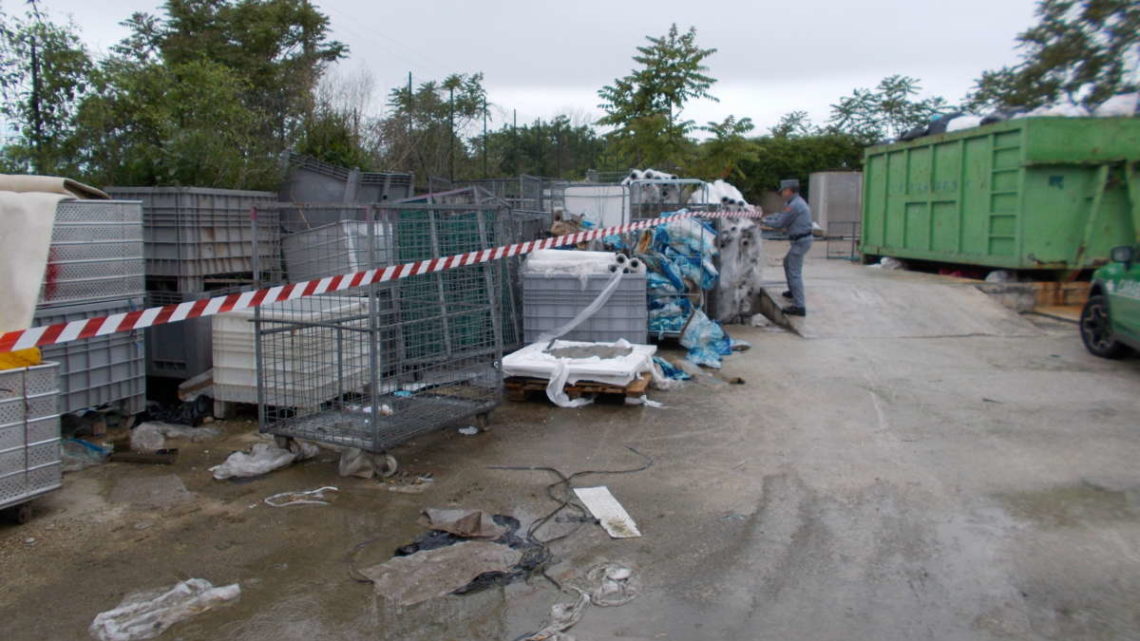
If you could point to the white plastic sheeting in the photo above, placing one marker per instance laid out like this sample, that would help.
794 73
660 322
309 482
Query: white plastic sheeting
536 361
262 459
146 615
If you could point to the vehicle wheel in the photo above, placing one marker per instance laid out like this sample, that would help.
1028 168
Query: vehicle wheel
1096 330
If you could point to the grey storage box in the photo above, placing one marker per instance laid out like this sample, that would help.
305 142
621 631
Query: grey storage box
549 301
338 248
96 253
193 232
100 370
179 350
29 433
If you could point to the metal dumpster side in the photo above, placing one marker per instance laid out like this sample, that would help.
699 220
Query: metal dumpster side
1032 193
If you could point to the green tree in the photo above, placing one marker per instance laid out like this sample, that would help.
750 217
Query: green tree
425 131
721 155
645 107
185 124
775 158
795 124
1083 50
887 111
556 148
44 71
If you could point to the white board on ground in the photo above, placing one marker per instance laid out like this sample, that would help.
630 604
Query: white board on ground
613 517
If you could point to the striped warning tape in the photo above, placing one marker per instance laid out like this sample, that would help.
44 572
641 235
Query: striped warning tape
101 326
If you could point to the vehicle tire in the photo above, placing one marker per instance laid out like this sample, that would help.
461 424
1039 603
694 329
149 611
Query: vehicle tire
1096 330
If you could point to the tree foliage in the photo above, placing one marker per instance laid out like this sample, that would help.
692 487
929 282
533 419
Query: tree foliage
775 158
1082 50
722 155
885 112
556 148
645 107
426 127
44 71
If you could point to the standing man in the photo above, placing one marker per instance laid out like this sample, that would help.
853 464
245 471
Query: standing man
795 220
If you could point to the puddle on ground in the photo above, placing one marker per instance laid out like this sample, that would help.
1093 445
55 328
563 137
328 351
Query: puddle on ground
590 351
1072 505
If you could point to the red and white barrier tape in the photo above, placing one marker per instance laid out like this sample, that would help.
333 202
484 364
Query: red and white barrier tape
101 326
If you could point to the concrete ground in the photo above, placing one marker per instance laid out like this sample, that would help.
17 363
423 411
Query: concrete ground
923 464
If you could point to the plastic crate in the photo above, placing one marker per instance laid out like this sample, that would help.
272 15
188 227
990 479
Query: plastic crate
99 370
550 301
192 232
179 350
306 363
339 248
96 253
29 433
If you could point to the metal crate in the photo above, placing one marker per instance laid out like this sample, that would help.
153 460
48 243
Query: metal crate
192 232
96 253
100 370
428 346
29 433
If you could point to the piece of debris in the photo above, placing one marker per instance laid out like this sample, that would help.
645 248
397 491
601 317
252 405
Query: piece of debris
613 517
468 524
429 574
470 430
643 400
157 457
410 483
146 615
262 459
889 263
304 497
612 585
356 462
151 436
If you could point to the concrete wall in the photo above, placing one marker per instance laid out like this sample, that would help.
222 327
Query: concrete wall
836 197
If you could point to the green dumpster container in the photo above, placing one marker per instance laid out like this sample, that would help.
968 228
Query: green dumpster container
1033 193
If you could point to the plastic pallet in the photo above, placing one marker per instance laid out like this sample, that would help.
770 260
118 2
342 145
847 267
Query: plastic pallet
100 370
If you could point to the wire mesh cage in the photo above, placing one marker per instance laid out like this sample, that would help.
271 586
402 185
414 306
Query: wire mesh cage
372 366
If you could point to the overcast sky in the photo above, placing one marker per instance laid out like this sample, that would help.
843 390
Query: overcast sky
542 57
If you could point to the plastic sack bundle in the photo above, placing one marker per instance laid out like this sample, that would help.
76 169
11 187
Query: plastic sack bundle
706 341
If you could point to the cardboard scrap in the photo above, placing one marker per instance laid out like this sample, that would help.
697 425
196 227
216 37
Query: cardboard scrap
613 517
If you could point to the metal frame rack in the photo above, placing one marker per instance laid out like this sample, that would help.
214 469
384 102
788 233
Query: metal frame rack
373 366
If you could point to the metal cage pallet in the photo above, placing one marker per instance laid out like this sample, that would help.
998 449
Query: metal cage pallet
405 358
96 253
29 433
101 370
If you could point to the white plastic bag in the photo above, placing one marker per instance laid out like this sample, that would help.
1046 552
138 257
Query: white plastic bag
146 615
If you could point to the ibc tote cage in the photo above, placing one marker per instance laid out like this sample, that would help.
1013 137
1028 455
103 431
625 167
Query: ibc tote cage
373 366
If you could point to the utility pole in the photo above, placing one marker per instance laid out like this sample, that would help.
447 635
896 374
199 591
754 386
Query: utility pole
485 137
515 137
34 98
451 137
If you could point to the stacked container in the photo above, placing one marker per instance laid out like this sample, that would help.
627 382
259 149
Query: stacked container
29 433
95 268
198 241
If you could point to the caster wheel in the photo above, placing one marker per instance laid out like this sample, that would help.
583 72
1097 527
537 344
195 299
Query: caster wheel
482 421
390 467
283 442
20 514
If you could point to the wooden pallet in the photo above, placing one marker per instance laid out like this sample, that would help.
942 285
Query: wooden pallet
519 387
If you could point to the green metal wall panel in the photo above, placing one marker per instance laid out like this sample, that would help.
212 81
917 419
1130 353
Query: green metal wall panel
1035 193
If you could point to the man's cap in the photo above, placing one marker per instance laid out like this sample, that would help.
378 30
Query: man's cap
790 183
